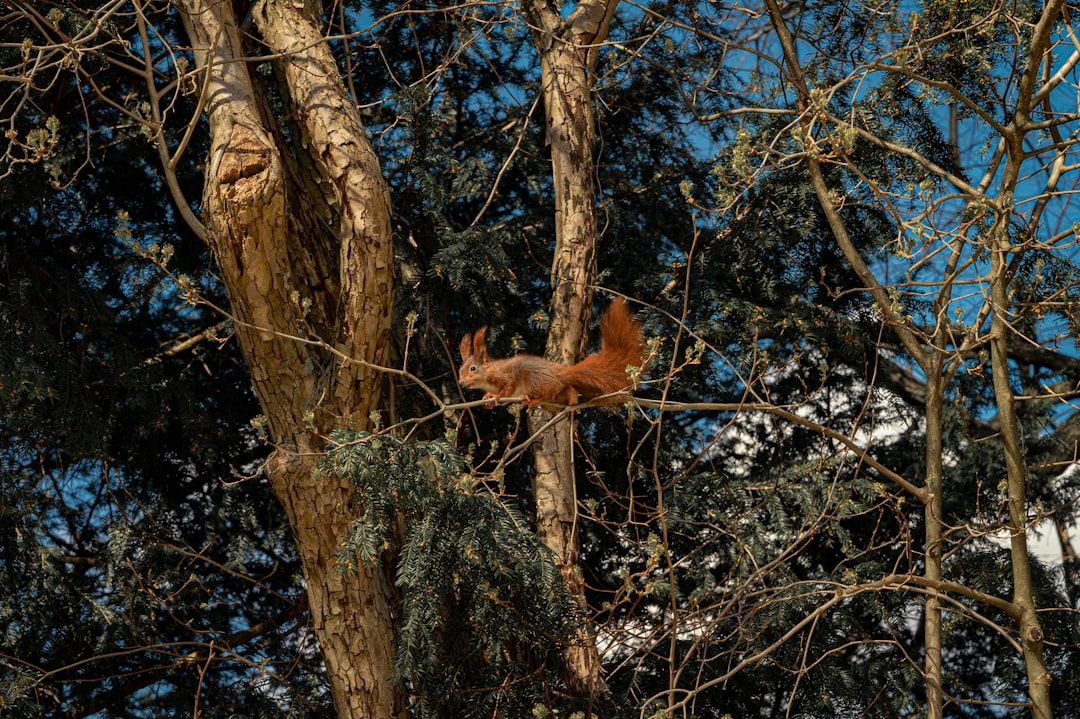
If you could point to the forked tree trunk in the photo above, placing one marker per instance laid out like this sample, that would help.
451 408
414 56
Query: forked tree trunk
1002 328
567 51
290 273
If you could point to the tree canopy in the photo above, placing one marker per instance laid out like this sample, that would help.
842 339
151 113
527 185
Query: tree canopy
243 240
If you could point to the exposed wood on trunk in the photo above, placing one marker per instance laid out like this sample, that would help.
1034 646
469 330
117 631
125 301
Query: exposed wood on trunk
567 50
287 276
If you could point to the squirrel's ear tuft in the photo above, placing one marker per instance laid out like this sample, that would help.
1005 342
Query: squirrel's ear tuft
479 345
466 347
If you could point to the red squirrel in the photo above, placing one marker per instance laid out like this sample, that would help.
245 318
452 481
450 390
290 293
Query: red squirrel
540 381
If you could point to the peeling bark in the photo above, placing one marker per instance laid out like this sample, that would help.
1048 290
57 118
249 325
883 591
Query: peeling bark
288 277
567 51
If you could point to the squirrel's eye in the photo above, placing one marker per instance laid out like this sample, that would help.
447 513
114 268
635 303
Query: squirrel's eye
473 368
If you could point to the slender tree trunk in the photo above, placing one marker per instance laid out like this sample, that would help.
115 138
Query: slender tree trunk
930 362
1023 599
567 51
1031 634
291 273
932 542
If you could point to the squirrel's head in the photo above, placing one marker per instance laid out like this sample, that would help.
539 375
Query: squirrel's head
473 360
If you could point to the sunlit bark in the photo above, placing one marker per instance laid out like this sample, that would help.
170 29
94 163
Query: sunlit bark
567 51
288 276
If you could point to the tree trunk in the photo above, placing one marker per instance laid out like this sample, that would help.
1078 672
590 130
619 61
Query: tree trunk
567 52
1001 327
929 361
290 273
933 541
1031 634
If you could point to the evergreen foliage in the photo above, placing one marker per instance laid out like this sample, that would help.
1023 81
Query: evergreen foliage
483 608
733 559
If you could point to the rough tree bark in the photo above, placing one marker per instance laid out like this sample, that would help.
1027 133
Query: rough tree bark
293 273
567 50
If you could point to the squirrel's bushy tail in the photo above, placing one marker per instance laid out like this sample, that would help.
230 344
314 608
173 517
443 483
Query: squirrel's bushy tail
621 345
